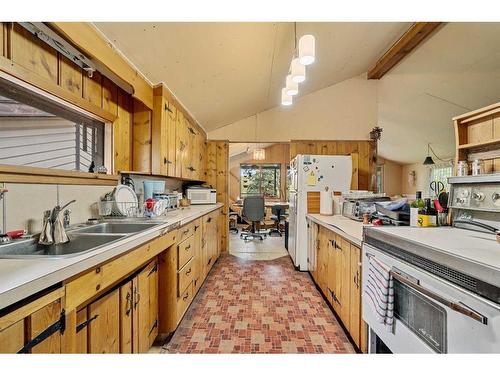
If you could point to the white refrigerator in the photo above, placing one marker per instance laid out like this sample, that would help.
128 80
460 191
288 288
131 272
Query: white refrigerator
312 173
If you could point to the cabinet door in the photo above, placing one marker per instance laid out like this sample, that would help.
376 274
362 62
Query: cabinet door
146 306
197 257
180 146
40 320
126 326
322 259
331 279
355 295
345 282
336 280
312 247
12 338
202 152
104 329
171 125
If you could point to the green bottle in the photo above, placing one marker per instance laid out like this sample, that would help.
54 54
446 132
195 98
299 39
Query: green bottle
418 202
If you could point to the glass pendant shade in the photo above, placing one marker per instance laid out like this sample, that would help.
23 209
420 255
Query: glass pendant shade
292 88
259 154
298 71
285 98
307 53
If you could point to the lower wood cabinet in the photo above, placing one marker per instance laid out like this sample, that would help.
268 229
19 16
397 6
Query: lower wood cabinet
35 327
124 320
335 266
183 269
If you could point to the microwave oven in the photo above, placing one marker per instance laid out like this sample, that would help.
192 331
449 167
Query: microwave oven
201 195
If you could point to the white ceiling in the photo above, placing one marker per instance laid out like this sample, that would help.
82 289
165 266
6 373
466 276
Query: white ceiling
453 72
224 72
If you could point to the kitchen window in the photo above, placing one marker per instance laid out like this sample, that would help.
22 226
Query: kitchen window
39 133
260 179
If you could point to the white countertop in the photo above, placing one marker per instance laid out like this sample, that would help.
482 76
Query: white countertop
470 245
21 278
350 229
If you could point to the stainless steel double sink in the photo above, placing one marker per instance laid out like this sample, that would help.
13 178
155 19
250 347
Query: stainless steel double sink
81 239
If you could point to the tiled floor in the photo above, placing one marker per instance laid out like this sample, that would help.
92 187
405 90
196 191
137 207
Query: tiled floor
258 306
268 249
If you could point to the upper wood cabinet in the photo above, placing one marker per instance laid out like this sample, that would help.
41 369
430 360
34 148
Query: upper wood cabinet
178 144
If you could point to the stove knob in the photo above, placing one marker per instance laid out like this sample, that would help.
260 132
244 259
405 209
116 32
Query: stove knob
479 196
496 199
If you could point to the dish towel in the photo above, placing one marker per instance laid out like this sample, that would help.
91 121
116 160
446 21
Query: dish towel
379 292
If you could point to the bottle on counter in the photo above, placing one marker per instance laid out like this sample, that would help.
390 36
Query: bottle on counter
414 208
427 215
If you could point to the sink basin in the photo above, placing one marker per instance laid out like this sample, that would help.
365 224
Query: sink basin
78 243
115 228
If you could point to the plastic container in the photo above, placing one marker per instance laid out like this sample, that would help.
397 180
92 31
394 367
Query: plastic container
153 186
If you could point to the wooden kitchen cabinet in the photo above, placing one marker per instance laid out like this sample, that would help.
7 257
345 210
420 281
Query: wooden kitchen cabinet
337 273
20 326
145 289
104 324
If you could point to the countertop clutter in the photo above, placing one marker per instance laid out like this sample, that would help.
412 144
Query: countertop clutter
21 278
350 229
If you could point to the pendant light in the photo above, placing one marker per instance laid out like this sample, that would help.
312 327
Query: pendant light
292 88
285 98
307 53
298 71
428 160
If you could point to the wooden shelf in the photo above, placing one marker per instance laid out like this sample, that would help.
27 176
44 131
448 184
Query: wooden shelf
492 142
34 175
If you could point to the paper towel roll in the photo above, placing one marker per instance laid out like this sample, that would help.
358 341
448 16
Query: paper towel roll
326 203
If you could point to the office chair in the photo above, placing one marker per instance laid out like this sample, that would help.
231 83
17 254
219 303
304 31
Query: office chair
254 211
277 212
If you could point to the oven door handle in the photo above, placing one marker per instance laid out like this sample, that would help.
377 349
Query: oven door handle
456 306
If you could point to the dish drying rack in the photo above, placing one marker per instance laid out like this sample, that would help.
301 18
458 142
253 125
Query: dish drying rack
111 208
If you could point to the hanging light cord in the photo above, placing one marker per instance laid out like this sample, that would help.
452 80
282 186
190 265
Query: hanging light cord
437 157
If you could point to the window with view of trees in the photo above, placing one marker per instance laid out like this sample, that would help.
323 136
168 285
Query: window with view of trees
260 179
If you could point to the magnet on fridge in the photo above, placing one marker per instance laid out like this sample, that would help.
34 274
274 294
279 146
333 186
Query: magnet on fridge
306 168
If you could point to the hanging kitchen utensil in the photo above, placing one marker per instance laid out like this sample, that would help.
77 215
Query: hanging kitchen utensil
443 199
436 187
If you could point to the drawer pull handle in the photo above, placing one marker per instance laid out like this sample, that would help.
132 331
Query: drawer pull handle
188 247
209 261
209 220
128 304
98 270
185 297
186 231
196 227
188 271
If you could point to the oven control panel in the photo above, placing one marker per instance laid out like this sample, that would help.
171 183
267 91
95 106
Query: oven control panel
484 197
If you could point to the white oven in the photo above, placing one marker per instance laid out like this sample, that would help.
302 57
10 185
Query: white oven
201 195
431 314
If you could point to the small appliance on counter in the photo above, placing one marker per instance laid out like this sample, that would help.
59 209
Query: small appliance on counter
355 208
201 195
170 200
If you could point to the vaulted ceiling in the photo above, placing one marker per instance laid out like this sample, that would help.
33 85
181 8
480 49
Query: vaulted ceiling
224 72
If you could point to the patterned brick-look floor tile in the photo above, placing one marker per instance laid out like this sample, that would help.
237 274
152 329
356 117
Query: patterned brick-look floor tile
248 306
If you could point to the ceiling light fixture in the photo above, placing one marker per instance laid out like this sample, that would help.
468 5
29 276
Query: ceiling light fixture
304 55
307 49
298 71
285 98
292 88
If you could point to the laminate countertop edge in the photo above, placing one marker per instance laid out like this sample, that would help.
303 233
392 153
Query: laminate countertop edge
22 278
351 230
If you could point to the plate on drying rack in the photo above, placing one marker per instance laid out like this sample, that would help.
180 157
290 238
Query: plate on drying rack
125 199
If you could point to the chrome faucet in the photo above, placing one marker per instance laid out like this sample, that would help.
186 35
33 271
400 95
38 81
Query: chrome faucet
53 232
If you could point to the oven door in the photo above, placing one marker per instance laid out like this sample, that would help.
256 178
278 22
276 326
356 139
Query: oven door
433 315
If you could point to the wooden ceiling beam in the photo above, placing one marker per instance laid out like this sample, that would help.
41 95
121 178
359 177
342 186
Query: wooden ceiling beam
411 39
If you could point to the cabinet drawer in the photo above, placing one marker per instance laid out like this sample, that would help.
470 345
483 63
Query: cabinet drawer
185 251
186 231
185 277
184 301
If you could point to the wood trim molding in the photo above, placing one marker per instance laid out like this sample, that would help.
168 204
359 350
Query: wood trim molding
15 70
34 175
86 37
411 39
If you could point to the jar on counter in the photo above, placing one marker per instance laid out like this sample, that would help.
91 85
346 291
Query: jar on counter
462 168
477 167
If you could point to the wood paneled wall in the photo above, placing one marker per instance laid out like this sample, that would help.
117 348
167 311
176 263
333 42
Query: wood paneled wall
217 177
366 150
